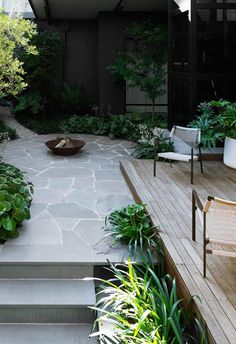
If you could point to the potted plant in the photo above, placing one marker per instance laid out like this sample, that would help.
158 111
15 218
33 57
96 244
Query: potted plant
229 125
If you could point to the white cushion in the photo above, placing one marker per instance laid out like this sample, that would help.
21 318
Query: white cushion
176 156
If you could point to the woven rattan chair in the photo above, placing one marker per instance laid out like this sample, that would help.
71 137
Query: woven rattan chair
218 219
186 142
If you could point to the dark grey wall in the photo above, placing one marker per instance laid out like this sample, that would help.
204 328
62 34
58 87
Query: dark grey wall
81 61
89 47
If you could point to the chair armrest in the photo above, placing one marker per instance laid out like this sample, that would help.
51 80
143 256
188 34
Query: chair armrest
197 200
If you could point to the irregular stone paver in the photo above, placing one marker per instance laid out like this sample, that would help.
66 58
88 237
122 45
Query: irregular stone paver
39 232
83 183
53 196
65 172
85 198
108 175
71 211
72 197
111 187
112 202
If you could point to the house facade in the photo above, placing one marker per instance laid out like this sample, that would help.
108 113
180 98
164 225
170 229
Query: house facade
202 49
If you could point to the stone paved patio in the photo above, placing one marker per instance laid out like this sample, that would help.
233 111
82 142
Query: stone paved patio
72 197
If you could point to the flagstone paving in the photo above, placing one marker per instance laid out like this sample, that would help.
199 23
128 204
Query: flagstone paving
72 197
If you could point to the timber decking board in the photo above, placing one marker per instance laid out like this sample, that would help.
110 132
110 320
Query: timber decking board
168 198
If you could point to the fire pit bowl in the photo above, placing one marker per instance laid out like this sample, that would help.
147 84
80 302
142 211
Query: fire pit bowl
70 148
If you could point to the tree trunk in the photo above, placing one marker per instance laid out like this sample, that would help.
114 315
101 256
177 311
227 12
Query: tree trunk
153 108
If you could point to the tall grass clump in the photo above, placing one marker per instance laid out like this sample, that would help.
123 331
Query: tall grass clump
144 309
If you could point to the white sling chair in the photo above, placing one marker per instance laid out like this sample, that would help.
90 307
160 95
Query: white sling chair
185 140
218 219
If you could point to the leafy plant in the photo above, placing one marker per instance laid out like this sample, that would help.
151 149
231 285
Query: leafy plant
15 36
132 226
145 309
122 126
150 137
210 125
74 99
228 120
144 66
217 120
31 102
15 200
39 75
10 131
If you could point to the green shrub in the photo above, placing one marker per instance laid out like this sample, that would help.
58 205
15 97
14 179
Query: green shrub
15 200
5 129
74 99
132 226
30 102
150 137
145 309
39 126
209 123
217 120
120 126
39 97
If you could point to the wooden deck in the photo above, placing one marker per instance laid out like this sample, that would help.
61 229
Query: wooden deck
168 199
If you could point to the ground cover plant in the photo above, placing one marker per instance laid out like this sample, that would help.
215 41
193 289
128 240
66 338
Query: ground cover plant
144 308
15 199
10 132
119 126
132 226
151 139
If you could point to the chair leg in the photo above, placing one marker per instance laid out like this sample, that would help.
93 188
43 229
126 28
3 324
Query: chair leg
204 260
200 158
155 161
191 165
204 245
194 208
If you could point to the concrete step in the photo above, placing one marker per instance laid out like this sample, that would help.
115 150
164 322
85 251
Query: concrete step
10 270
46 301
46 334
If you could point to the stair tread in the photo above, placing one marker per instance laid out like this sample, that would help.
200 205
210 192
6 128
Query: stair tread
47 333
76 293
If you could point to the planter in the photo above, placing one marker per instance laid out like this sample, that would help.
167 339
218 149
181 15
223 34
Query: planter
230 152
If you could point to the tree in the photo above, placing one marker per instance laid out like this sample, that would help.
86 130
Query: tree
15 36
144 66
40 73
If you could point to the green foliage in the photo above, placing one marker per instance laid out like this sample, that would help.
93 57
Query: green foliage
5 129
15 200
16 35
145 309
123 126
73 99
150 137
144 66
132 226
146 151
228 120
36 124
40 70
30 101
217 120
